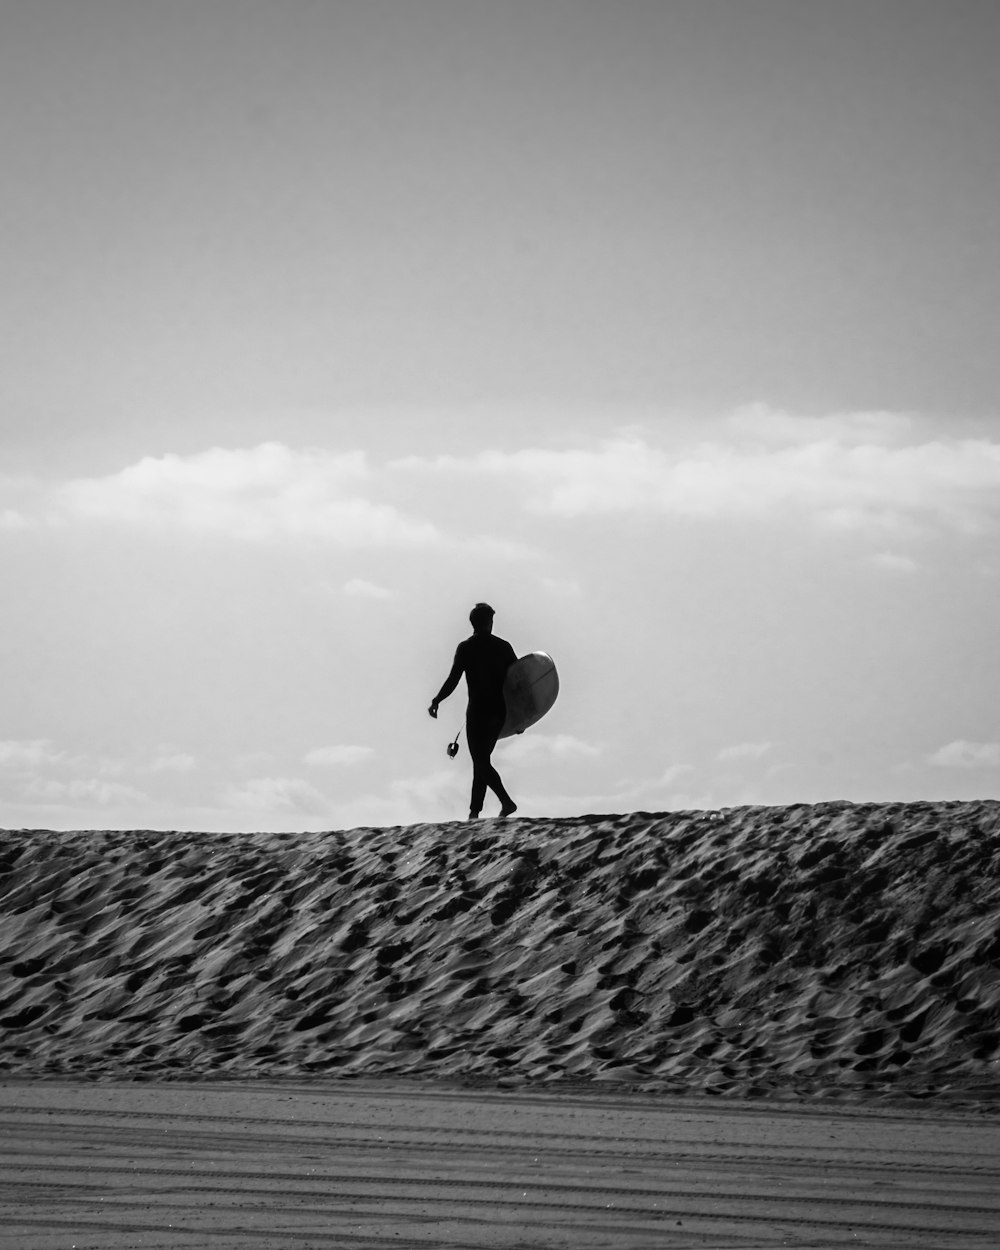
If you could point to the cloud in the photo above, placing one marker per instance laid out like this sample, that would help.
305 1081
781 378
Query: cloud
561 587
279 795
894 562
744 751
645 790
17 494
538 747
644 793
441 786
171 762
88 790
760 423
358 588
41 772
440 795
860 470
338 756
255 494
962 754
25 754
672 774
262 494
871 471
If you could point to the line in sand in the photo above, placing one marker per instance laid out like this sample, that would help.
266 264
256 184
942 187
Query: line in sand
369 1164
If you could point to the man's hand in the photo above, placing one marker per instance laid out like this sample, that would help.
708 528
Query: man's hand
433 709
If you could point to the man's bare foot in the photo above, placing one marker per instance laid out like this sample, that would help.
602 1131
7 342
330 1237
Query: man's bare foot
508 810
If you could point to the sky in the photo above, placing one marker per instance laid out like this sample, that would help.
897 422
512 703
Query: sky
667 327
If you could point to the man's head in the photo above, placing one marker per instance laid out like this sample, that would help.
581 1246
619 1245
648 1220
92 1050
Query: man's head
481 617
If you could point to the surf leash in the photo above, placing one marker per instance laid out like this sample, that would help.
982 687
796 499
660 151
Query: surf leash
453 747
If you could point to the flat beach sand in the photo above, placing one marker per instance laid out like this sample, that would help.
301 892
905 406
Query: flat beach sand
753 1027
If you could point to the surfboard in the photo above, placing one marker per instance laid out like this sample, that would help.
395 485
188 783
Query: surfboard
529 690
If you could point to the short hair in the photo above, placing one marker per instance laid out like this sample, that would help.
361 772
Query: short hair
480 614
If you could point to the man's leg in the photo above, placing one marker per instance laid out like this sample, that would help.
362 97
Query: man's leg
482 738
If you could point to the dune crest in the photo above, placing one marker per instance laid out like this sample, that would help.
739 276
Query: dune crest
820 950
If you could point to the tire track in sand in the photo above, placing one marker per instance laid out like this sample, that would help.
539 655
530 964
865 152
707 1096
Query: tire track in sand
226 1165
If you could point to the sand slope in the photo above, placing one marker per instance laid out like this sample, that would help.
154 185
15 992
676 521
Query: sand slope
823 949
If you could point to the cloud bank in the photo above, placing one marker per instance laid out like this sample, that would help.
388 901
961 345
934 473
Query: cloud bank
536 747
265 492
275 795
861 470
341 756
869 471
963 754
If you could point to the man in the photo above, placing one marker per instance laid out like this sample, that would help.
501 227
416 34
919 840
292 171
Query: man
484 660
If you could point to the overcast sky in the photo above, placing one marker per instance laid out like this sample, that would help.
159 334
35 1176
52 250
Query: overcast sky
669 327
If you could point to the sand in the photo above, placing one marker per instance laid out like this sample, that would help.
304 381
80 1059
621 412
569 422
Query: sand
833 950
105 1166
601 971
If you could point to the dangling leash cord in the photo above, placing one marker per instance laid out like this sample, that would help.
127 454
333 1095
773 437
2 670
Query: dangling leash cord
453 747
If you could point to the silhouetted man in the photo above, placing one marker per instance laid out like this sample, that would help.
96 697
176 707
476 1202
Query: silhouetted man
484 660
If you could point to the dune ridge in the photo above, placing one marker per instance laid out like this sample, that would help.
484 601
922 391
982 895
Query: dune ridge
834 949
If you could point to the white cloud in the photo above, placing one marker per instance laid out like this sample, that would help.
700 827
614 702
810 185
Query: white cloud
252 494
43 773
266 493
253 761
16 495
171 762
872 470
532 747
758 422
562 588
29 753
434 788
87 790
744 751
962 754
846 471
440 795
338 756
358 588
672 775
649 793
646 790
894 562
277 795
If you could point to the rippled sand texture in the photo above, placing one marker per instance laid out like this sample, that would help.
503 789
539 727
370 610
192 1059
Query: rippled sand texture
824 949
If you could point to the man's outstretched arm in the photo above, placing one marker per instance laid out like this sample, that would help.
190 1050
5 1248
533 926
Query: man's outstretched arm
451 682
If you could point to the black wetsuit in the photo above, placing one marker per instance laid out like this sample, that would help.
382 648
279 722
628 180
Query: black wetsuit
484 659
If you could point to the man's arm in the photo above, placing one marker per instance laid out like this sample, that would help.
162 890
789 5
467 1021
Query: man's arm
451 681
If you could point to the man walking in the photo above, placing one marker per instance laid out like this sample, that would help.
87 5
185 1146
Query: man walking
484 659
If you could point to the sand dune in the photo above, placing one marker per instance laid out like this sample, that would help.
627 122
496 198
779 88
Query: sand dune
826 950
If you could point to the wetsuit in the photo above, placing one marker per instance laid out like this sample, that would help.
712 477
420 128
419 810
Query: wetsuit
484 659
